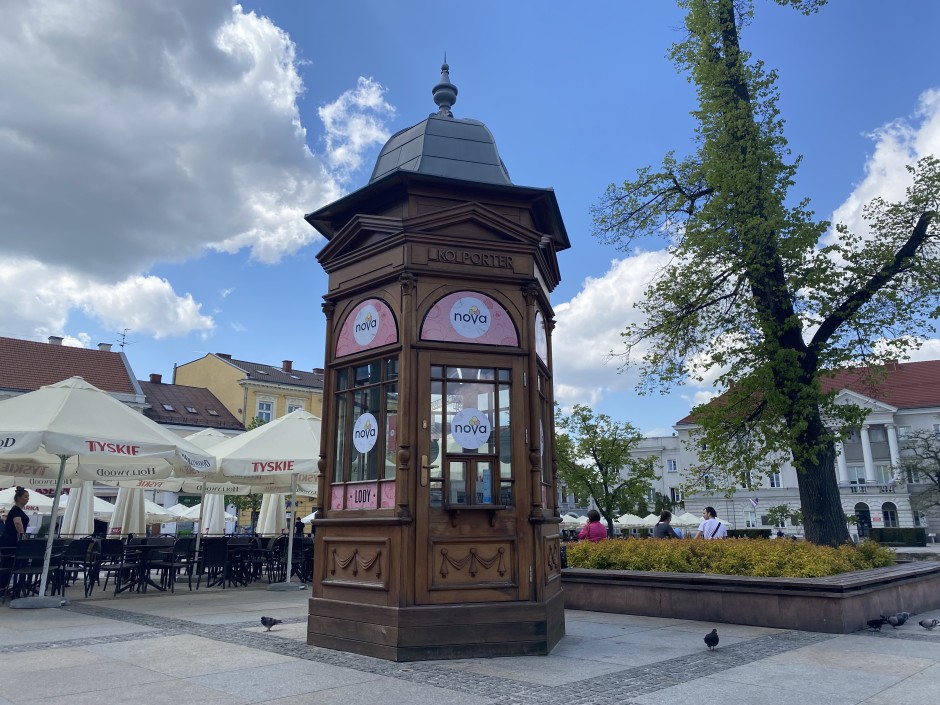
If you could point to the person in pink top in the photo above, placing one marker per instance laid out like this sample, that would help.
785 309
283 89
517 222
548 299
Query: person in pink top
593 531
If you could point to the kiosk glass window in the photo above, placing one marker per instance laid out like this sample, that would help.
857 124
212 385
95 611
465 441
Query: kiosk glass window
471 446
366 421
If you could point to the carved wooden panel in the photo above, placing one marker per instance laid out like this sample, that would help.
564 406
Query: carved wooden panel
356 562
551 549
472 564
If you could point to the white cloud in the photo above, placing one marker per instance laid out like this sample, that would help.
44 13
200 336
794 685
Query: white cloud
354 122
897 144
588 329
152 131
35 300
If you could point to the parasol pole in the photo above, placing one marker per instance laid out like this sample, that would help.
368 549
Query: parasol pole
41 600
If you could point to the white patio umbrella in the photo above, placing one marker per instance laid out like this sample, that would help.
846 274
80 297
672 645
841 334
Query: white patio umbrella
687 519
130 514
81 510
310 517
289 446
630 521
75 420
271 518
37 504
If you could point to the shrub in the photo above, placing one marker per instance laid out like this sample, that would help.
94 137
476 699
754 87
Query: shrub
753 557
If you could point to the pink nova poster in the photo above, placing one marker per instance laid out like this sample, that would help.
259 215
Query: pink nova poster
370 325
469 317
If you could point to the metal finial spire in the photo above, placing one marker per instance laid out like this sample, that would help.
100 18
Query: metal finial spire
445 92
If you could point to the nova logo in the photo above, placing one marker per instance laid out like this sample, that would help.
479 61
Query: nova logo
366 324
365 433
470 428
470 317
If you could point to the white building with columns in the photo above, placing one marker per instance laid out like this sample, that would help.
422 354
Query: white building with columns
871 485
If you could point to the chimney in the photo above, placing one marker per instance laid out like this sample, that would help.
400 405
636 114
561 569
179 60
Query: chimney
318 371
224 356
155 378
55 340
287 365
104 347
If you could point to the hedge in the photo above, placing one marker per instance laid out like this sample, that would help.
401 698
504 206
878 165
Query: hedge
754 557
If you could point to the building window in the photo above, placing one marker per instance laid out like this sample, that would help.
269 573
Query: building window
852 436
265 410
295 405
904 432
191 409
675 495
889 513
750 519
746 481
883 474
168 407
877 435
776 480
366 421
212 412
672 466
856 474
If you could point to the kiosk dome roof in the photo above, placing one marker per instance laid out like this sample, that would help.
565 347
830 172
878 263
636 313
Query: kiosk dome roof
443 145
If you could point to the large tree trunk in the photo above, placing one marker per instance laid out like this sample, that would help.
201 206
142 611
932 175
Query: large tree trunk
823 517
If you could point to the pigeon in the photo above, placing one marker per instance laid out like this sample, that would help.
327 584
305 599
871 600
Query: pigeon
269 622
929 624
903 617
711 639
893 620
875 624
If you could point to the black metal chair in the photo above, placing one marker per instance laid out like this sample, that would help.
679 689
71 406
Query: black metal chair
213 563
173 562
28 564
81 556
6 571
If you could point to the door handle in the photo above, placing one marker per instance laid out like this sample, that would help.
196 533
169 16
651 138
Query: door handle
425 468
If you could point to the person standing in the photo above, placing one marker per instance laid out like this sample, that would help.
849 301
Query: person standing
593 531
17 521
711 528
663 529
298 529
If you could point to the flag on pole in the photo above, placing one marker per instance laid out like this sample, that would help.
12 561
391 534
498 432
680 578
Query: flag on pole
754 501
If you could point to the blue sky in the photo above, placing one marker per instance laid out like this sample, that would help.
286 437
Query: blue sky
159 155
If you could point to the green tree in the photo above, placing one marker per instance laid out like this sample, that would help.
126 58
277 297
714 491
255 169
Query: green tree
250 502
756 292
255 422
594 459
921 462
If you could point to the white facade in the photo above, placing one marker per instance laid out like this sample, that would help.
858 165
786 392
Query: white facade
867 466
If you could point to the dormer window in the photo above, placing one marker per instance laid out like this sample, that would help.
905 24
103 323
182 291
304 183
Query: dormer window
168 407
191 409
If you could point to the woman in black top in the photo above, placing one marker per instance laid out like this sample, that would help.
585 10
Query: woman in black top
663 530
17 521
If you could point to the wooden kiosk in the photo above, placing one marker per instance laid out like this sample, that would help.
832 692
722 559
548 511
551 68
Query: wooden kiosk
437 532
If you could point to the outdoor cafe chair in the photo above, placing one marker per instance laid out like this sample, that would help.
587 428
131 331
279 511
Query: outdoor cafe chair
110 557
6 571
213 563
81 556
154 556
28 564
174 561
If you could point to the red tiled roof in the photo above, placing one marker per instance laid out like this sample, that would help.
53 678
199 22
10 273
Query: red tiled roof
26 365
182 398
905 385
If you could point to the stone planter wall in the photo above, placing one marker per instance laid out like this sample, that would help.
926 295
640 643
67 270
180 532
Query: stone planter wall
839 604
